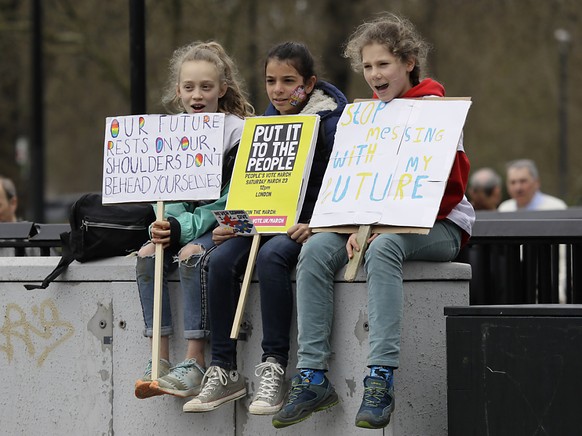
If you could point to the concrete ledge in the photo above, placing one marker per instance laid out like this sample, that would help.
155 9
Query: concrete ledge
25 269
76 348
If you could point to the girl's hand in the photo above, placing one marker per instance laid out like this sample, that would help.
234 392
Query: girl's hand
352 244
299 233
161 233
221 234
374 236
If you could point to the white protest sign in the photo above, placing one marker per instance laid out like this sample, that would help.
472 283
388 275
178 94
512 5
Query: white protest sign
151 158
390 163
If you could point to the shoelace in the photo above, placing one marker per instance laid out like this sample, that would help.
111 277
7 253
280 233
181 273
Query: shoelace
148 370
373 396
213 376
182 368
296 389
270 374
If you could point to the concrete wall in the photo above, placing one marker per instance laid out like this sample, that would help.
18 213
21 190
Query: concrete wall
70 355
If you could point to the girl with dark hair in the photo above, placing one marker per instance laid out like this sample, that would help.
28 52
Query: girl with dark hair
293 88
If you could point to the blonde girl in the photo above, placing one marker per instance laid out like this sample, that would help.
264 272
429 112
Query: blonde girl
203 78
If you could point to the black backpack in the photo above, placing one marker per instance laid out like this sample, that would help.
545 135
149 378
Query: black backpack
99 231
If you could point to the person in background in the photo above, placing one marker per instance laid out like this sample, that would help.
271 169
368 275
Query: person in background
391 54
293 87
8 200
8 206
523 186
203 78
484 189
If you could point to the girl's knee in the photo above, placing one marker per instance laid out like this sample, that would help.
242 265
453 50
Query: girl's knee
319 244
309 251
189 251
267 253
386 245
147 250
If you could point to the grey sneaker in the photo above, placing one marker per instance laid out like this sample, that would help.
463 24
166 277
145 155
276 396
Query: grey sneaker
143 387
218 387
183 380
269 398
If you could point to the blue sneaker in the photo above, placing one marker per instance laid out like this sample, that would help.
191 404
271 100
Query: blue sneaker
305 398
377 404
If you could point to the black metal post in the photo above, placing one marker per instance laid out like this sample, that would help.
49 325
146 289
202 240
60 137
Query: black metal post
37 116
563 38
137 56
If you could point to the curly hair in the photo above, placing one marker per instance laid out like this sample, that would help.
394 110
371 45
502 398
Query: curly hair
234 100
395 33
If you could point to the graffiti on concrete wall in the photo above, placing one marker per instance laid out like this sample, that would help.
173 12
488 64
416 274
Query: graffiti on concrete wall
40 332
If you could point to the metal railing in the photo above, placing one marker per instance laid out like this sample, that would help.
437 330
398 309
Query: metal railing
25 234
516 257
526 257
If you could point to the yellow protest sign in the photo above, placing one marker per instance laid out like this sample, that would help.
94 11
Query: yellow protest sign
272 169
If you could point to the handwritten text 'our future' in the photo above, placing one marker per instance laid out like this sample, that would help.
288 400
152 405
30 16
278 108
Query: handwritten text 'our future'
139 154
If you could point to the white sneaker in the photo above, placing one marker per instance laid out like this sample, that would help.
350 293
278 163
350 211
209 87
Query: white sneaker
218 387
271 394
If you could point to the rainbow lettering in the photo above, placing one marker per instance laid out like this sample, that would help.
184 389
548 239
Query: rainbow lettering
159 144
114 128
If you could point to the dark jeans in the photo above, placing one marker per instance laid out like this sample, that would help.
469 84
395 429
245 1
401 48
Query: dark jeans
226 264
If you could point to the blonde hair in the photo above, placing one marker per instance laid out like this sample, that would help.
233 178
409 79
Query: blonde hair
395 33
234 100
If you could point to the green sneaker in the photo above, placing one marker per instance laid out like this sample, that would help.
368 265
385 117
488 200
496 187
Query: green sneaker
377 403
143 385
305 398
271 393
183 380
218 387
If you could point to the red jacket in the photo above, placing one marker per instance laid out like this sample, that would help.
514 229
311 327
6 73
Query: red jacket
459 176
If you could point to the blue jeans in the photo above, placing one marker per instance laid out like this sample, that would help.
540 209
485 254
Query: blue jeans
195 319
226 264
324 254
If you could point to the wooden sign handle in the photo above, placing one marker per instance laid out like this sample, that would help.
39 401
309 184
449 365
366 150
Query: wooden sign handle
355 262
242 299
158 277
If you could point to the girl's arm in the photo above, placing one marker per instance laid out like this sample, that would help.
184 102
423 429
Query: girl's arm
190 225
456 185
